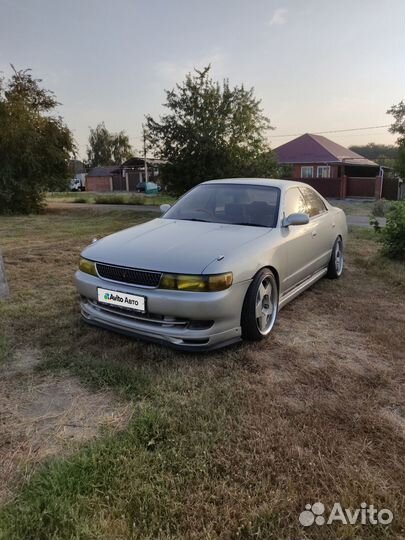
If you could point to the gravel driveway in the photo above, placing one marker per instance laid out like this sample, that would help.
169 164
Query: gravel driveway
363 221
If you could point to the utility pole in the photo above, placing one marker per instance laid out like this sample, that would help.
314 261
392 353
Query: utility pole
144 153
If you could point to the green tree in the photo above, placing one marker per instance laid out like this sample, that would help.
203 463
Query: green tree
383 154
106 148
35 143
211 131
398 127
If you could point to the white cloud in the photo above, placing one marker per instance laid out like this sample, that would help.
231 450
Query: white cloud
174 72
279 17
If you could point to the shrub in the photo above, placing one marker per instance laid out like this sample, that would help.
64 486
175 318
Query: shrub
109 199
380 208
135 199
375 224
80 200
393 234
119 199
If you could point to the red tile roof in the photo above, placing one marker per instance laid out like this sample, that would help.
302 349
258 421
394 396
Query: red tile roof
310 148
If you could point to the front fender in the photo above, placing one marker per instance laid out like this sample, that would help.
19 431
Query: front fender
249 259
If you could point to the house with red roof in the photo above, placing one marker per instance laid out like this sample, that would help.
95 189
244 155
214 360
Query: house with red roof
332 169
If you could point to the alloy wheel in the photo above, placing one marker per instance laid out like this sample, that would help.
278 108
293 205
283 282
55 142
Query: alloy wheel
266 310
339 257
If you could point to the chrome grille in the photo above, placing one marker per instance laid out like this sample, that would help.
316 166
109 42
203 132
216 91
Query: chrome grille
144 278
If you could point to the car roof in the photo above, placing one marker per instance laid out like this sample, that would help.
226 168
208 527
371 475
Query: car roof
271 182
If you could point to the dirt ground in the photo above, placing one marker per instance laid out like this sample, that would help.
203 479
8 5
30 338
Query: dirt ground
44 416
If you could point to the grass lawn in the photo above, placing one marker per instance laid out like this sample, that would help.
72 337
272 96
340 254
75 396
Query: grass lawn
109 198
353 207
227 445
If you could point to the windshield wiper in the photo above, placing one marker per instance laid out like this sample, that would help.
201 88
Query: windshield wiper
195 219
249 224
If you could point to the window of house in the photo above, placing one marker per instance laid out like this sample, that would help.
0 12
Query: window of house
307 171
323 171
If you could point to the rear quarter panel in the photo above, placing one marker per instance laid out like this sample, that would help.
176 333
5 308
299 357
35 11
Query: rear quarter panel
339 217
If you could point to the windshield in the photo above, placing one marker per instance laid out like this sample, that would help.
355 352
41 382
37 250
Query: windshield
238 204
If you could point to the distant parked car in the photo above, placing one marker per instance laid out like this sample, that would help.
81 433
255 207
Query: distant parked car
216 267
77 185
148 187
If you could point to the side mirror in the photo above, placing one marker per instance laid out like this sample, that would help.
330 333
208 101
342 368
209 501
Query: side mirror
296 219
164 208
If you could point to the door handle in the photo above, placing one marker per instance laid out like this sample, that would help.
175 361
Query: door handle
314 233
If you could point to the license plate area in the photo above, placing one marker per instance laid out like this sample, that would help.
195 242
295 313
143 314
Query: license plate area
132 302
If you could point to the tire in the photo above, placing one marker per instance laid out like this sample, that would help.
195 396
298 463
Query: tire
336 263
261 298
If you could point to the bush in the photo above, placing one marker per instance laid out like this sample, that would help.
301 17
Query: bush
375 224
119 199
80 200
380 208
109 199
393 234
136 199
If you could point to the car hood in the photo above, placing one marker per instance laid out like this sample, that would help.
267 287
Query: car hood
169 245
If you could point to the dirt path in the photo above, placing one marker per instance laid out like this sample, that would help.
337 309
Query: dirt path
46 415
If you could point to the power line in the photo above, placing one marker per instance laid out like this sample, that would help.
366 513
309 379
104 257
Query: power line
331 131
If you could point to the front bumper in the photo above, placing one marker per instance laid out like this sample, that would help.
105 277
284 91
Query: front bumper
181 319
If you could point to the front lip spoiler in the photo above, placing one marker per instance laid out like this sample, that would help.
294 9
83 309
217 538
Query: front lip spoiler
161 341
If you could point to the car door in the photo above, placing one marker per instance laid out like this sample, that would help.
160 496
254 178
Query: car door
298 241
321 227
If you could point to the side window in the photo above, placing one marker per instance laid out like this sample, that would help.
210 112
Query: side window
315 204
294 202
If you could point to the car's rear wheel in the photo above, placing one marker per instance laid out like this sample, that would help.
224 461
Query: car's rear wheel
260 307
336 263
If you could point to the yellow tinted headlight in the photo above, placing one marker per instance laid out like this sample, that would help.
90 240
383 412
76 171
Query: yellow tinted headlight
89 267
191 283
200 283
220 281
167 281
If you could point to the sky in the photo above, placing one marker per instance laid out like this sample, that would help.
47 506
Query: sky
317 65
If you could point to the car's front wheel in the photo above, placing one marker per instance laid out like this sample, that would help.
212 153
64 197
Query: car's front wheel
260 306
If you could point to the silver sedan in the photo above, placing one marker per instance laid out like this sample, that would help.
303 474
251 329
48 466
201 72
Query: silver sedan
214 268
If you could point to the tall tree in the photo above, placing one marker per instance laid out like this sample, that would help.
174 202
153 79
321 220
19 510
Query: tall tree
398 127
35 143
211 131
106 148
383 154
